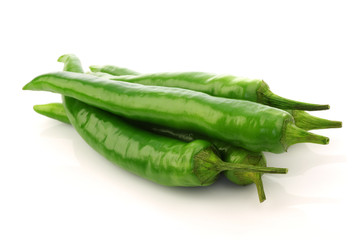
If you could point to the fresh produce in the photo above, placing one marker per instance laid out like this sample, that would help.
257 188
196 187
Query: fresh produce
250 125
227 86
160 159
302 119
226 152
176 136
164 160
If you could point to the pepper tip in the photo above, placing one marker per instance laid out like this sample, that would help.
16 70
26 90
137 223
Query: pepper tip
27 86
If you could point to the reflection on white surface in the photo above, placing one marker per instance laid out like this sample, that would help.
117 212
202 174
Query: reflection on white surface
86 189
53 186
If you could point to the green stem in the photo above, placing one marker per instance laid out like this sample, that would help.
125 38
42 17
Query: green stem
294 134
207 166
269 98
251 168
308 122
259 186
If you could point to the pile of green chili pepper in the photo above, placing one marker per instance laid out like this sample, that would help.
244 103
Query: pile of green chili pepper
179 129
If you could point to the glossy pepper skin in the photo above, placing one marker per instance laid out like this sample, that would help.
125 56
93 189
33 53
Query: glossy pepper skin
164 160
137 151
253 126
302 119
226 152
230 153
227 86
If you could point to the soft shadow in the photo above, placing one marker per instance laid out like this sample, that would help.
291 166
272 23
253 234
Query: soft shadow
280 198
58 130
221 194
301 158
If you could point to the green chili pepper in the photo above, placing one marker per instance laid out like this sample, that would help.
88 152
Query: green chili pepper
253 126
227 153
164 160
227 86
71 63
302 119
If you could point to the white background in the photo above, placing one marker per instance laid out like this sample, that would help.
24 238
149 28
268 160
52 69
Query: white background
53 186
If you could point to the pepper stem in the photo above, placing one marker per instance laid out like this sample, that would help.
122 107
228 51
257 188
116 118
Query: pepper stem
207 166
309 122
251 168
259 186
269 98
294 134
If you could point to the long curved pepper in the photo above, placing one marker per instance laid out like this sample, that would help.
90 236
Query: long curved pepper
302 119
253 126
228 86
